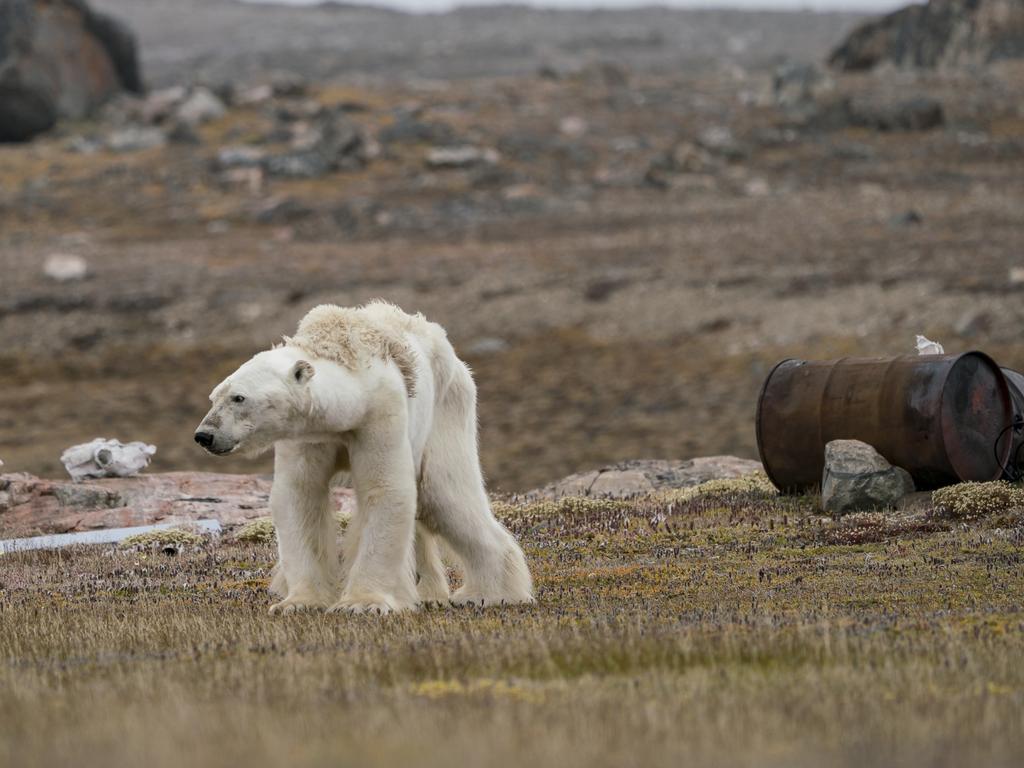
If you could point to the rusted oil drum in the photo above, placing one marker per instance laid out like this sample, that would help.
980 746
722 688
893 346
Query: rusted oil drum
937 416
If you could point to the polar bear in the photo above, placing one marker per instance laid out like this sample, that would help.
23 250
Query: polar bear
380 394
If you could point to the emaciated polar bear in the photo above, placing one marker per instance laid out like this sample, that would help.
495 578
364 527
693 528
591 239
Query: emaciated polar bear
381 394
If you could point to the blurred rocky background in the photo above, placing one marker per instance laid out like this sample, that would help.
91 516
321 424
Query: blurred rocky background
624 218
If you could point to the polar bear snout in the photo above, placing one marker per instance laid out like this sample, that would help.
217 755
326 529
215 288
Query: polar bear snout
213 443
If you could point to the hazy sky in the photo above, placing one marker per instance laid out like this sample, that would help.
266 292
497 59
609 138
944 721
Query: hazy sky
433 5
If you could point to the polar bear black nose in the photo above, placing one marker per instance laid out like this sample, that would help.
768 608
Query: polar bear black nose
205 439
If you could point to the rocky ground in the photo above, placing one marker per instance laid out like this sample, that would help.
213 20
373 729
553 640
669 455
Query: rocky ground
621 235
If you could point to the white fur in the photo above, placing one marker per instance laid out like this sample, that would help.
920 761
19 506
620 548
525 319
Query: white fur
413 460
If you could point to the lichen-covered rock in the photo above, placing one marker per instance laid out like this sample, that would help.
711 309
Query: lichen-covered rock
858 478
637 477
938 33
170 540
59 59
970 501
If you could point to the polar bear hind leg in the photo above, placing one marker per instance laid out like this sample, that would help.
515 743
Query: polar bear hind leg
455 504
431 574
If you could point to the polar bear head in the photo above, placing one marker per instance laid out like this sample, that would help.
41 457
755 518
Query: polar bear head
264 401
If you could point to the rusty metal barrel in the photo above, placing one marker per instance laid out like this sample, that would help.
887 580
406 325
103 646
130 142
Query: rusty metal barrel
943 418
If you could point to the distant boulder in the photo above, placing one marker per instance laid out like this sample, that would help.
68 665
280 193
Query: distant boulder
941 33
59 59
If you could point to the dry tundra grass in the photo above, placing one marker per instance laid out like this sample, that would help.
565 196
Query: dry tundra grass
720 628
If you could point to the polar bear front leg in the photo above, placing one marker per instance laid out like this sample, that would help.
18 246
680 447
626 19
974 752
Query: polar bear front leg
381 574
300 503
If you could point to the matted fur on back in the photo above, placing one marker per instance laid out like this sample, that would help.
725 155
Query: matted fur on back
351 336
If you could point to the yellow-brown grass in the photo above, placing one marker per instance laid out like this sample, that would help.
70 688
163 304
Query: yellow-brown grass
723 629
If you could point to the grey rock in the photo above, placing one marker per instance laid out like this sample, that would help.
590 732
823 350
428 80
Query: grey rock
183 133
201 106
920 113
719 140
409 129
858 478
135 139
938 33
59 59
308 164
461 157
65 267
239 157
288 84
332 143
907 218
161 104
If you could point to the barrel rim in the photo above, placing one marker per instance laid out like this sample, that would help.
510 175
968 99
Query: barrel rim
757 417
1004 390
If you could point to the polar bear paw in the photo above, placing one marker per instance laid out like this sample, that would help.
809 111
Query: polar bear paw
378 604
433 592
297 604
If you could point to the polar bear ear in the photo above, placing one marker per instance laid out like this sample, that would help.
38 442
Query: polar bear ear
302 372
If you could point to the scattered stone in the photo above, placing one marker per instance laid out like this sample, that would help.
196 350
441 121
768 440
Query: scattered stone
239 157
685 158
161 104
907 218
461 157
920 113
294 110
332 143
573 127
410 129
288 84
135 139
65 267
719 140
256 95
857 478
106 458
852 150
282 211
83 145
200 107
183 133
249 178
757 187
59 59
1016 276
297 165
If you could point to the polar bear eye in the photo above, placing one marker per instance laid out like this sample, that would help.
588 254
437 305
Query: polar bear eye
238 399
